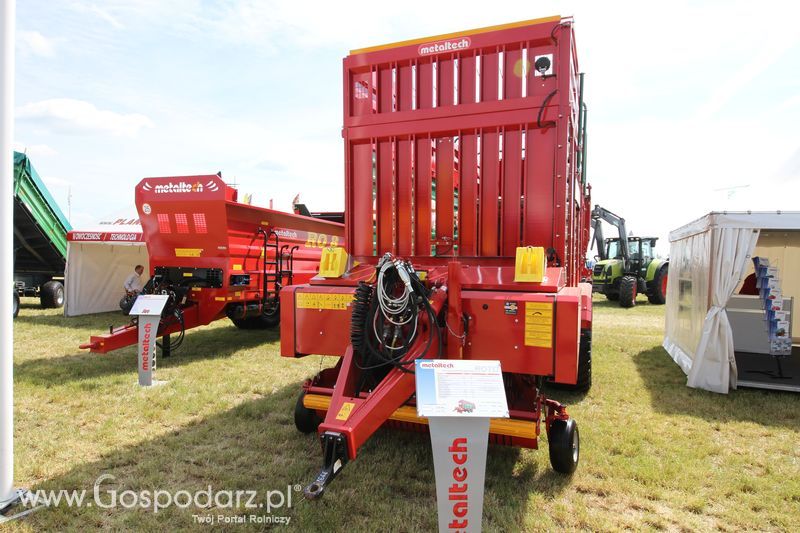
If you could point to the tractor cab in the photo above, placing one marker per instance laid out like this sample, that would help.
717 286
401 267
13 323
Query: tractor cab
640 251
622 277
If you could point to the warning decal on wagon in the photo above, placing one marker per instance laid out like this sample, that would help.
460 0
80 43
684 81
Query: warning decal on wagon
315 300
344 412
539 324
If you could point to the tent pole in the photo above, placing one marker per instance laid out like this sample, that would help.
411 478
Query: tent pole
7 493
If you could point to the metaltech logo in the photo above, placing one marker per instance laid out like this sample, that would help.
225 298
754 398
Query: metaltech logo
146 344
458 492
180 187
451 45
436 365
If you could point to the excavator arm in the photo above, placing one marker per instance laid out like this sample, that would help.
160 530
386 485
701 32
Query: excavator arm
601 214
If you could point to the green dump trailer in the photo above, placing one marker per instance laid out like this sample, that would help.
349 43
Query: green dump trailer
40 238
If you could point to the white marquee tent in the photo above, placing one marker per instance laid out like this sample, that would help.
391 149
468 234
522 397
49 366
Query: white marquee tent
709 259
98 261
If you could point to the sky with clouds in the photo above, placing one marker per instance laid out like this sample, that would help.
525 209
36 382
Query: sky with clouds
693 106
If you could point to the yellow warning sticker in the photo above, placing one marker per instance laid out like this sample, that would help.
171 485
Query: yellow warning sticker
188 252
344 412
237 267
314 300
539 324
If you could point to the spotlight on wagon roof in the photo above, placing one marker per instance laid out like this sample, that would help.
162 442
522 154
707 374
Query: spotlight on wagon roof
542 65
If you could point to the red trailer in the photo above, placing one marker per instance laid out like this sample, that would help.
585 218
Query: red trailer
467 214
217 257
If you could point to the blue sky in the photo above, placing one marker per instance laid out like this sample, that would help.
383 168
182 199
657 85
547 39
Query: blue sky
685 102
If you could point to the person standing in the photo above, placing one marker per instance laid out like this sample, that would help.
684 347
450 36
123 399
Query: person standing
133 283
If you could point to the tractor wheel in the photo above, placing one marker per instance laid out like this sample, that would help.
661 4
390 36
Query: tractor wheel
16 304
52 294
627 291
564 445
613 296
658 287
305 419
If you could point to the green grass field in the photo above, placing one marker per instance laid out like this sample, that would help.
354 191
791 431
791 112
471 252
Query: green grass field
654 453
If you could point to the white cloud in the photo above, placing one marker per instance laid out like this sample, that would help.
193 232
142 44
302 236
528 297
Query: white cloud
34 150
36 43
99 12
78 116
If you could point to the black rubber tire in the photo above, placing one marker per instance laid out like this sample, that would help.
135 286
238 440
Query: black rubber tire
564 444
51 295
613 296
265 321
627 291
16 304
305 420
657 294
126 304
584 382
243 323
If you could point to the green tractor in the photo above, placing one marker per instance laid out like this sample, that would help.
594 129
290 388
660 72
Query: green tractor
626 266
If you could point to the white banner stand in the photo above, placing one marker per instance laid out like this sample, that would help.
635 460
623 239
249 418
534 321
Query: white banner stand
148 308
8 494
459 397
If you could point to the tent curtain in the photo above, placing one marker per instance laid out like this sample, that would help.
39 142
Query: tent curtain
713 366
95 273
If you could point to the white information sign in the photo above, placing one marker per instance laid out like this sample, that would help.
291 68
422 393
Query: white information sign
459 397
460 388
148 307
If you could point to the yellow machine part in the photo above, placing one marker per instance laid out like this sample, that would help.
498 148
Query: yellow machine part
530 264
333 262
524 429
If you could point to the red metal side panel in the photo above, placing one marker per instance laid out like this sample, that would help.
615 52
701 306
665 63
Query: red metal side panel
490 189
405 200
539 177
361 191
512 190
385 207
477 84
468 190
444 193
512 72
567 334
320 330
446 85
405 87
360 91
385 90
288 330
467 80
490 73
422 169
425 84
497 333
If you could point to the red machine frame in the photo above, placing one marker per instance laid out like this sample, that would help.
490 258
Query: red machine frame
218 257
459 149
